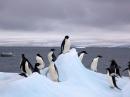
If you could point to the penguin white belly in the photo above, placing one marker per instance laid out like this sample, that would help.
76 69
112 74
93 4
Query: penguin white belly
50 57
28 70
21 67
110 80
67 46
81 57
94 64
40 61
52 73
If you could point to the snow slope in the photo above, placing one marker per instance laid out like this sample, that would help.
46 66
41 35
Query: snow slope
76 81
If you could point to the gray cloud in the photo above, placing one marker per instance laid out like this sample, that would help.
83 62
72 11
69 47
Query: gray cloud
64 15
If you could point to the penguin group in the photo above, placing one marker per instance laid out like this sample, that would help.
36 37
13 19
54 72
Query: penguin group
113 71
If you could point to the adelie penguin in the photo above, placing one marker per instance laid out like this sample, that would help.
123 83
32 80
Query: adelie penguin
51 55
128 69
111 79
95 63
65 45
115 68
26 67
39 59
81 55
53 71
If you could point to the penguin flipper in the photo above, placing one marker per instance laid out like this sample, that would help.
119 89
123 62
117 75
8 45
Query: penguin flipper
56 69
57 72
23 74
62 47
125 69
30 66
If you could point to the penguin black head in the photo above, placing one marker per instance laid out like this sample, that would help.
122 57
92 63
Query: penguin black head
113 62
129 64
53 50
84 52
99 56
23 56
67 37
38 55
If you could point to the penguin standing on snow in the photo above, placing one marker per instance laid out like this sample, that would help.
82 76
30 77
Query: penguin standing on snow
51 55
65 46
95 63
81 55
26 67
115 68
39 60
112 79
53 71
128 68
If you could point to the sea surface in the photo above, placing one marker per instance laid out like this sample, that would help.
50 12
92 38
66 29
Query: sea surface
12 64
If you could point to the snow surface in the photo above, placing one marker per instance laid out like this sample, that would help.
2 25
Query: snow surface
76 81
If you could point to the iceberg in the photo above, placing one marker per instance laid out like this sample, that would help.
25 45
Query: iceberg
75 81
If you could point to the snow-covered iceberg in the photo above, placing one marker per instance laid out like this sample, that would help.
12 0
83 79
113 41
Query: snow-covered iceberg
75 81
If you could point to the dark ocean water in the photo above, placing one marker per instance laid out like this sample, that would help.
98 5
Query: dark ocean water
11 64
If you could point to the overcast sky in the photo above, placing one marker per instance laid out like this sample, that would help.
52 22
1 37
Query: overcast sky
65 15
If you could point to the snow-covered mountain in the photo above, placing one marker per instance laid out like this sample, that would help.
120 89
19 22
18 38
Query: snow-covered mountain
55 38
76 81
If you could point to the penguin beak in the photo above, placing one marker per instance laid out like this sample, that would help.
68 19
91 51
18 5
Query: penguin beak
100 56
86 53
52 49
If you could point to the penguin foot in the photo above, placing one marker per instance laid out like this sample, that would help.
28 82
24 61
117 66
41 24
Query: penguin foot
23 74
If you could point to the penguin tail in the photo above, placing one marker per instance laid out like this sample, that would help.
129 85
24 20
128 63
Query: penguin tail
23 74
